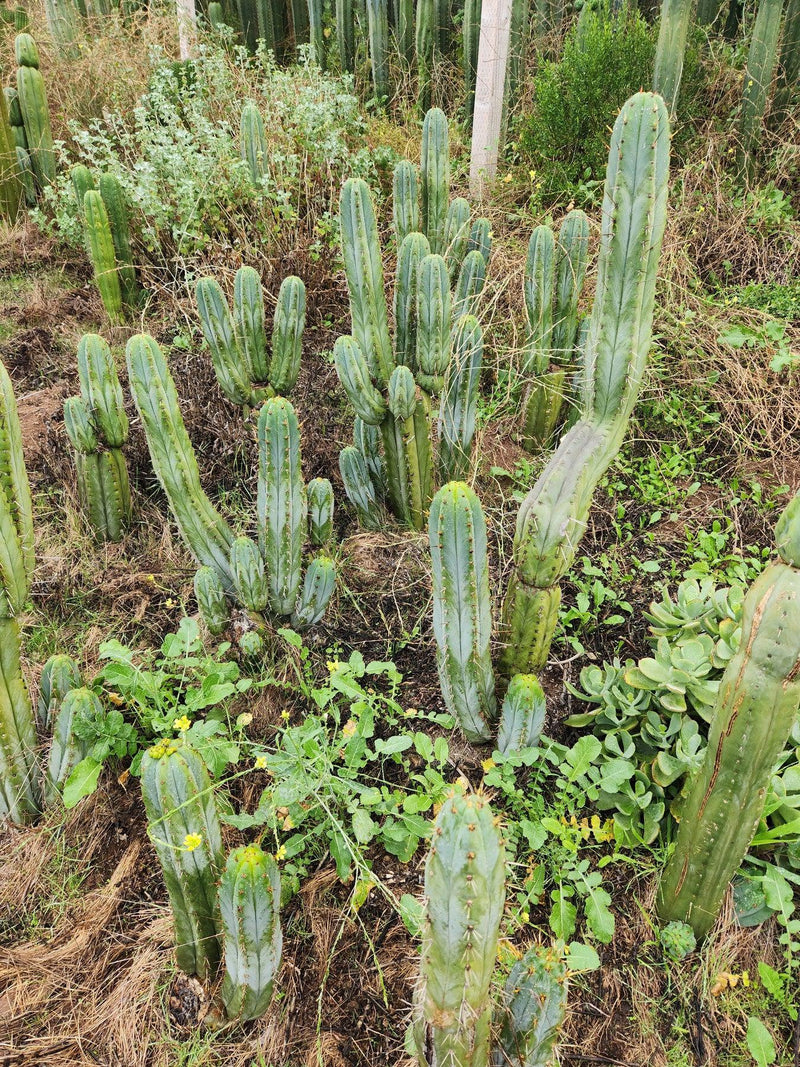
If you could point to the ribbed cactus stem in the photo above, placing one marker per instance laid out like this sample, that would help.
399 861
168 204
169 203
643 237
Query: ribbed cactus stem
282 515
66 749
378 24
459 402
117 211
465 893
522 715
462 610
318 586
19 792
670 50
10 179
287 335
471 27
360 488
552 519
100 243
59 675
424 47
435 175
413 250
405 200
249 900
206 534
761 61
319 494
35 110
184 828
346 34
212 602
253 143
531 1010
756 707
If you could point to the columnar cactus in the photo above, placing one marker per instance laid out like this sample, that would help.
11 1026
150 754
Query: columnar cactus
761 61
424 37
98 428
471 28
66 749
10 178
249 901
553 517
184 828
19 792
35 110
253 143
60 675
346 34
378 25
246 373
668 68
391 385
319 493
267 574
756 707
462 613
100 243
435 171
553 282
465 894
522 716
532 1011
117 211
63 24
459 401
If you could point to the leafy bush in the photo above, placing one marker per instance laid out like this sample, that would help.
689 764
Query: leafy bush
565 139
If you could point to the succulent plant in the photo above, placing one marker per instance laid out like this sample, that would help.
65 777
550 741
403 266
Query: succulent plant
59 675
35 110
184 828
97 426
673 28
532 1010
253 143
66 749
100 243
10 178
247 373
677 940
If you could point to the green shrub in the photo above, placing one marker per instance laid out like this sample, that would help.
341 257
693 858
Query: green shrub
576 98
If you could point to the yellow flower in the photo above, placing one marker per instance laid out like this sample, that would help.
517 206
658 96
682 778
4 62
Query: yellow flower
487 764
285 715
409 713
183 723
170 602
507 179
281 853
261 762
333 665
116 699
192 841
525 916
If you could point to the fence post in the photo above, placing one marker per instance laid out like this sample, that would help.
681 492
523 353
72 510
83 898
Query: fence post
490 82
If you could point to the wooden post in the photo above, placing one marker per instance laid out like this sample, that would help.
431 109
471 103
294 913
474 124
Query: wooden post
490 82
187 25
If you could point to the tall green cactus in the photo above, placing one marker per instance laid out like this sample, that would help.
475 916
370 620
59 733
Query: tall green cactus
554 276
378 25
117 211
249 900
59 676
435 173
553 517
471 28
10 177
462 615
670 50
66 749
253 143
531 1011
184 828
98 428
206 534
100 242
762 58
756 707
346 34
211 600
246 373
317 33
35 110
459 402
63 24
424 47
19 791
465 893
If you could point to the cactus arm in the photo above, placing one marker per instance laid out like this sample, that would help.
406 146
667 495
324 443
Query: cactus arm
354 375
570 269
249 327
456 236
10 177
101 389
367 440
346 34
465 894
435 171
364 270
287 335
19 771
218 329
471 27
359 487
281 505
66 750
673 28
249 897
319 495
413 251
16 508
313 599
36 118
378 25
531 1011
179 800
459 402
433 323
253 143
522 715
407 427
761 60
247 566
462 615
539 285
59 675
206 534
469 285
117 211
101 249
405 200
424 39
634 216
211 600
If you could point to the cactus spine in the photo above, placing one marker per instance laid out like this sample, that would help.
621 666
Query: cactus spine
206 534
238 342
553 283
101 249
249 900
253 143
184 828
465 891
553 517
462 615
756 707
532 1010
19 793
761 60
98 428
672 31
35 110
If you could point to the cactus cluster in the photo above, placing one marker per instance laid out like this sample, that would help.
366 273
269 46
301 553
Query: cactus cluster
465 894
247 372
19 787
104 211
435 355
98 429
756 707
223 910
259 576
554 273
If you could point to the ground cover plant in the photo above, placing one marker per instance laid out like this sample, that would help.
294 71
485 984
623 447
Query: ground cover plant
399 591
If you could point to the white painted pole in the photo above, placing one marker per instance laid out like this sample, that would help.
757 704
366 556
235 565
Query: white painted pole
187 26
490 82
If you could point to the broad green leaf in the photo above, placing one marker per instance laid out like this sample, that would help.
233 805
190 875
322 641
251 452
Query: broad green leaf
760 1043
82 781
